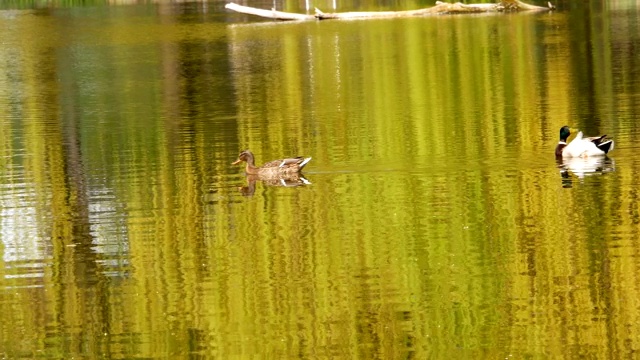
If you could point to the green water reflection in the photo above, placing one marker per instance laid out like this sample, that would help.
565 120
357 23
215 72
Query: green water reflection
437 223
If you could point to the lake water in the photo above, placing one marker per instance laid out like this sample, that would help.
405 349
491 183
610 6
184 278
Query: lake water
437 224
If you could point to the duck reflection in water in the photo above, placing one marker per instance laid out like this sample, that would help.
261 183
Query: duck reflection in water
283 172
282 181
582 167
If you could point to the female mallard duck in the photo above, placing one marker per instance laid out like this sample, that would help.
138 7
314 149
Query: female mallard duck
282 167
582 147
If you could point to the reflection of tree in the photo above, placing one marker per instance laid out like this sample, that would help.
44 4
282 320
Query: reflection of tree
81 294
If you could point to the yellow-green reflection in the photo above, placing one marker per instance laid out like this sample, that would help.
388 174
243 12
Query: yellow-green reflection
437 224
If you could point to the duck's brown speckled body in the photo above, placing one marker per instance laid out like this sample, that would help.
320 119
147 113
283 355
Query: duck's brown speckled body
273 168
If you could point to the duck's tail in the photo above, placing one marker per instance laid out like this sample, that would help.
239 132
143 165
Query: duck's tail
304 162
606 145
602 143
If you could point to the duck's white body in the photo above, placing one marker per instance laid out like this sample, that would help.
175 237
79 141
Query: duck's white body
588 147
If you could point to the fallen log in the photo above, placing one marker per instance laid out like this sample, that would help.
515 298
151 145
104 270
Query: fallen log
271 14
439 8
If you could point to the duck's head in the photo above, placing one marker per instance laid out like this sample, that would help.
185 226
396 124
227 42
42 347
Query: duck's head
565 131
245 155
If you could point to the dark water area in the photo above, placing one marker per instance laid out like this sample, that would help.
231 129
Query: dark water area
436 221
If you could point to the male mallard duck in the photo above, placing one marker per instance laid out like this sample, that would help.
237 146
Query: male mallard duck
582 147
272 168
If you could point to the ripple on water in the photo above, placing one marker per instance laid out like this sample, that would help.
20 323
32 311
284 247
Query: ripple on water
25 252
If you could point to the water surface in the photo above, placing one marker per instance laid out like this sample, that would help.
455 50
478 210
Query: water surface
437 222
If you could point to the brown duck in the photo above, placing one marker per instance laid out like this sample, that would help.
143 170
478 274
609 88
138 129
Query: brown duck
275 168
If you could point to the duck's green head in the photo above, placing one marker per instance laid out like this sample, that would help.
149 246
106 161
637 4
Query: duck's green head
565 131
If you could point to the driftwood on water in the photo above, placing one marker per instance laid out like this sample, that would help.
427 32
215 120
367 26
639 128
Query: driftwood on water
439 8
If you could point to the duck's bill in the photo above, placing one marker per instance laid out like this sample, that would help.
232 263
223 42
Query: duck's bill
236 162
